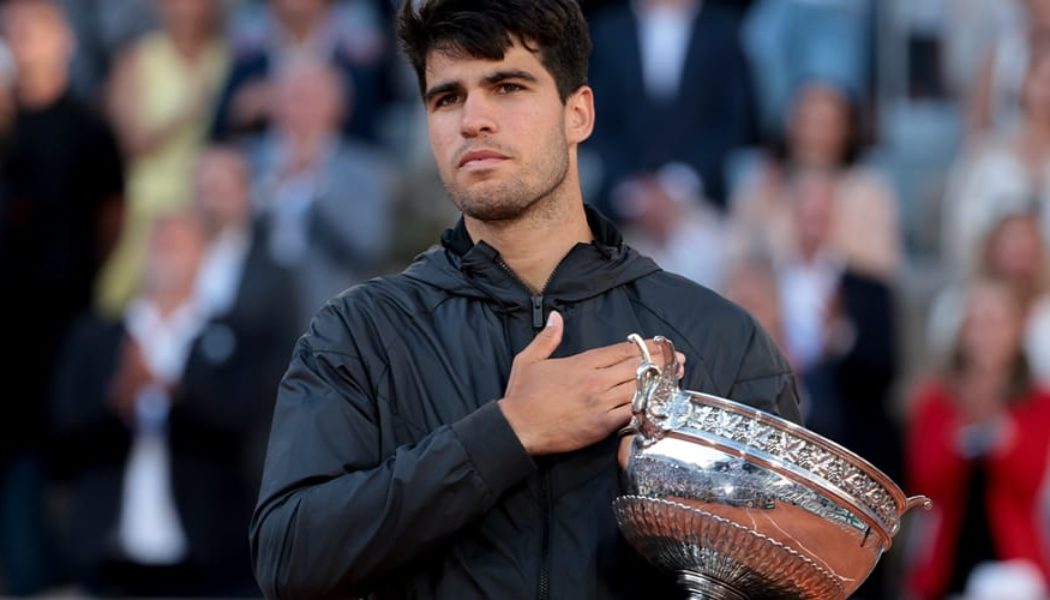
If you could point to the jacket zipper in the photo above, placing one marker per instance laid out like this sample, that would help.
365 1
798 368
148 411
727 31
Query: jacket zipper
536 302
544 592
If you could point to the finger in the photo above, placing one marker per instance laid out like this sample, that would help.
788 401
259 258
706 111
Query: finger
606 356
545 342
625 371
618 396
618 418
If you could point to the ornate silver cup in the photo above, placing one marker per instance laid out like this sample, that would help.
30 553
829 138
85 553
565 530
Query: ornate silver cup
743 504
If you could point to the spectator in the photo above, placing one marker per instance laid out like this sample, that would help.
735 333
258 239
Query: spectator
673 84
821 135
113 402
838 329
161 100
978 445
61 211
327 200
302 27
165 412
1009 173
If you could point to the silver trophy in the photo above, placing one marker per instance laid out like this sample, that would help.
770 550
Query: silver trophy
743 504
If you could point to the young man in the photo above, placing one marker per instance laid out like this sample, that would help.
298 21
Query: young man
450 432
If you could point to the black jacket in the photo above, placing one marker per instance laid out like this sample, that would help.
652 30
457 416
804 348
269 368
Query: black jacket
392 473
220 414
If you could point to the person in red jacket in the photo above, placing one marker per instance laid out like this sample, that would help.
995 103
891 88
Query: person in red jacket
978 445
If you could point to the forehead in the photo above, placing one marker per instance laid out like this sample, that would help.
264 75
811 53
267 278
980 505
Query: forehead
456 66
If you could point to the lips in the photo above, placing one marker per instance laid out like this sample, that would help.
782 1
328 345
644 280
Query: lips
481 156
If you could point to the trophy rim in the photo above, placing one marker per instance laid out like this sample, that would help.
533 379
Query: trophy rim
796 474
886 529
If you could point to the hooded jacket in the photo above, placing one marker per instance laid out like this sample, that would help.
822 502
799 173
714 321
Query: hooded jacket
391 471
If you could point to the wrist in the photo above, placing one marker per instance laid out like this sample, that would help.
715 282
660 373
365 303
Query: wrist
517 425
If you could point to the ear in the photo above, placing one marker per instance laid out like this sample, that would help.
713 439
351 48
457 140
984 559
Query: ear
579 115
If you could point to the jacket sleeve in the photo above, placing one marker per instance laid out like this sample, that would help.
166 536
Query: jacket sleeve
334 514
765 380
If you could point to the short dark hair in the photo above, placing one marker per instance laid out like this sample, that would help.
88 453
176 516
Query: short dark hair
555 29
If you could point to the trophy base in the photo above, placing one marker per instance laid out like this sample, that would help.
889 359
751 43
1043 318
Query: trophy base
702 587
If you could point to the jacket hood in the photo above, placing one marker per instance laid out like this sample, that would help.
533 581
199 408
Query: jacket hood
465 268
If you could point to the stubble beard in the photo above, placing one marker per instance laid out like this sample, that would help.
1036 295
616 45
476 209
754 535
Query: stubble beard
514 198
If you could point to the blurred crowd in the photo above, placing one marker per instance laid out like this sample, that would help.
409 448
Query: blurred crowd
183 183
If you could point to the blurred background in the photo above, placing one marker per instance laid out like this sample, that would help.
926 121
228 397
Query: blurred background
184 182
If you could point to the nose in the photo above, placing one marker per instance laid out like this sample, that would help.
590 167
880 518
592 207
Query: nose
477 117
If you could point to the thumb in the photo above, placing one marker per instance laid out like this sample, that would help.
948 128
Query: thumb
546 341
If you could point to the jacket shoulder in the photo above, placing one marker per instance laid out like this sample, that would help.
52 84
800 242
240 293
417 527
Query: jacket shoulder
364 314
736 358
695 310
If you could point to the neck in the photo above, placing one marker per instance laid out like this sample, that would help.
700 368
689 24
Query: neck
533 244
39 90
188 42
300 30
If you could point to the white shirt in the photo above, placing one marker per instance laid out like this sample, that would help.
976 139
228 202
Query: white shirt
663 35
806 291
149 529
220 272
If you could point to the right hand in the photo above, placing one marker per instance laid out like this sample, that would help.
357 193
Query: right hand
559 405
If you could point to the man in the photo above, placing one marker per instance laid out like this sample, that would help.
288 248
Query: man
327 198
450 432
159 414
60 209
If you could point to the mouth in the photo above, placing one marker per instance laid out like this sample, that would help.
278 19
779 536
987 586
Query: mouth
481 159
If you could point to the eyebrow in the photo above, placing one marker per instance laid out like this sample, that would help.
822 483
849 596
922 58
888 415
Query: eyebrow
494 78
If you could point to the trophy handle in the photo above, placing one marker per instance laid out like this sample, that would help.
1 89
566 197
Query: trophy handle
646 377
916 502
659 383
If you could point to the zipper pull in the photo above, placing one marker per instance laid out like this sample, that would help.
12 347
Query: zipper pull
537 312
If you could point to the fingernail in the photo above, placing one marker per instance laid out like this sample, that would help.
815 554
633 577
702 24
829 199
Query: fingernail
550 318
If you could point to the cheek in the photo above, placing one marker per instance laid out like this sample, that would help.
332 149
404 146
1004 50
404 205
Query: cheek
443 139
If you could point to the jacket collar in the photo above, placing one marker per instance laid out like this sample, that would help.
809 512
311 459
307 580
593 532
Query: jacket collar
463 267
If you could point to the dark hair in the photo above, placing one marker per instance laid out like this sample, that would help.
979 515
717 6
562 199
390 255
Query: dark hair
555 29
779 144
1021 379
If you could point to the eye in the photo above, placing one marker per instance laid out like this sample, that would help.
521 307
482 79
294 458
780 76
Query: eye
446 100
508 88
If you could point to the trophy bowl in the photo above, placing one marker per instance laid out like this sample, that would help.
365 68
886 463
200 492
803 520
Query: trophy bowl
742 504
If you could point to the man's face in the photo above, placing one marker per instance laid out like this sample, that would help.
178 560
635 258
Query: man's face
499 131
38 37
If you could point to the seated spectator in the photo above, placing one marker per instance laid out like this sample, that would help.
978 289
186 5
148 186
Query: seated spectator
1009 173
327 200
161 100
297 28
978 445
820 134
673 86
